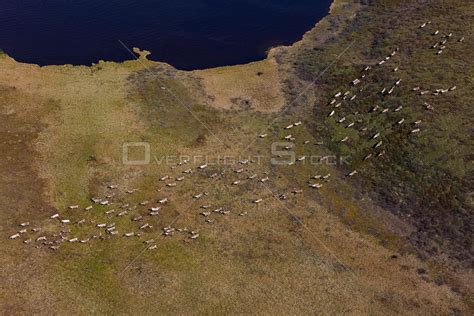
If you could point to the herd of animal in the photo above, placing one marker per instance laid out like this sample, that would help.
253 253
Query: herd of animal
67 226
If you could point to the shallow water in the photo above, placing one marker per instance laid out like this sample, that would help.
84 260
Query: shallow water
188 34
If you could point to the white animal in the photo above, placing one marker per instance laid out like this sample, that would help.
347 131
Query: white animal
352 173
14 236
257 201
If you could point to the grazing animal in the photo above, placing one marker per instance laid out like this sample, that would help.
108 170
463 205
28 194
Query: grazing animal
14 236
352 173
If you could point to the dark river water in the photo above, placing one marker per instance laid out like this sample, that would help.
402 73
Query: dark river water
188 34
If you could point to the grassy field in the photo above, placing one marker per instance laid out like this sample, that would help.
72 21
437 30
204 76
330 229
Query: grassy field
345 248
426 177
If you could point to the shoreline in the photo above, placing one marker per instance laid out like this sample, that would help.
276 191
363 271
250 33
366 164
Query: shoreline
143 53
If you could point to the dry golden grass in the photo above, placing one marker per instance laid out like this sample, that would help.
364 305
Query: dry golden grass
255 86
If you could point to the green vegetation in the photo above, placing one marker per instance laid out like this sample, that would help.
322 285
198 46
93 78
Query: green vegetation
427 176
